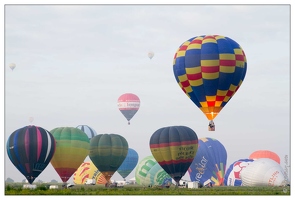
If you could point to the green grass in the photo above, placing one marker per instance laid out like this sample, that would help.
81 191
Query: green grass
16 189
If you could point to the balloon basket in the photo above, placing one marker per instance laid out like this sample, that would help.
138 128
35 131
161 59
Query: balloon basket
211 126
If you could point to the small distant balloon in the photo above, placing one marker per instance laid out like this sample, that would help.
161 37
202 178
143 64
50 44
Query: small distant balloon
12 66
151 54
31 119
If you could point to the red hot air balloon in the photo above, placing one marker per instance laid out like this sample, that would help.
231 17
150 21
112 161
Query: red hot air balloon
128 104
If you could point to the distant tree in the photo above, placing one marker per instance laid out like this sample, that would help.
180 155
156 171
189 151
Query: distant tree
53 181
39 181
9 180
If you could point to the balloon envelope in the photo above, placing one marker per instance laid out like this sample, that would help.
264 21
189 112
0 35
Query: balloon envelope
209 162
174 148
31 119
232 174
30 149
129 163
263 172
72 147
265 154
87 170
151 54
90 132
128 104
149 172
210 69
107 152
12 66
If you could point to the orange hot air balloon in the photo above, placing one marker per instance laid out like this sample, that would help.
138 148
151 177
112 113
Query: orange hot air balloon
265 154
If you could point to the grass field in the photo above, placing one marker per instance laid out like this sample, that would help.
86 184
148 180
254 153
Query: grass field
16 189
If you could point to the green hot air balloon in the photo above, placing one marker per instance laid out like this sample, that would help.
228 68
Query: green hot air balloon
174 148
148 172
107 152
72 147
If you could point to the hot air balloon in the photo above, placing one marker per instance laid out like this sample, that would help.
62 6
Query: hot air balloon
148 172
30 149
72 147
128 164
232 174
31 119
12 66
90 132
210 69
174 148
107 152
151 54
265 154
87 170
128 104
209 162
263 172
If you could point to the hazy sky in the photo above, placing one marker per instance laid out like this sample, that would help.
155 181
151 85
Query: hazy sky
74 61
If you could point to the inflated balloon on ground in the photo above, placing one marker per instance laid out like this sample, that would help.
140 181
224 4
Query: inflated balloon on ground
263 172
265 154
209 162
72 147
87 170
107 152
232 174
30 149
149 173
174 148
128 164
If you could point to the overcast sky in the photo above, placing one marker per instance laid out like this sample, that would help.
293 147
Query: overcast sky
74 61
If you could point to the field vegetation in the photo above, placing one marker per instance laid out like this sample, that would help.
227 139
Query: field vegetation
43 189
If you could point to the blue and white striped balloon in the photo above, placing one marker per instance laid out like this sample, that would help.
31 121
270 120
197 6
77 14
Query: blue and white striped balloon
90 132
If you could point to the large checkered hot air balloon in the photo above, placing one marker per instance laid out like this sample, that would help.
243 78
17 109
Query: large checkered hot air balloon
128 104
210 69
